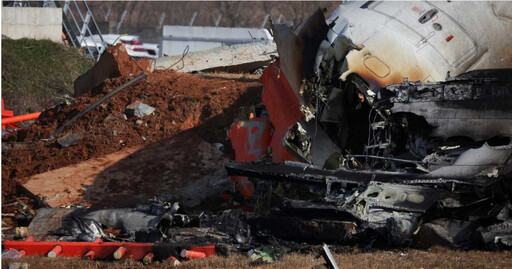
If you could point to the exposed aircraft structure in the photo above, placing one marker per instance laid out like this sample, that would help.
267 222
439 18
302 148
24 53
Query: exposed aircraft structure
395 121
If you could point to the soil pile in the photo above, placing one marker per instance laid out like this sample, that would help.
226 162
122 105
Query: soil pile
126 65
204 103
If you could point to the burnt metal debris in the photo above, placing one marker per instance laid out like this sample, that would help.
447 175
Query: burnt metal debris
412 163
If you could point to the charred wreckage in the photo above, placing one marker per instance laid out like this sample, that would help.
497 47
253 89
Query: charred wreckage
369 148
389 132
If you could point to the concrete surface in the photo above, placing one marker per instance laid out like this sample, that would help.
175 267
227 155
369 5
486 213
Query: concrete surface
32 22
176 38
235 58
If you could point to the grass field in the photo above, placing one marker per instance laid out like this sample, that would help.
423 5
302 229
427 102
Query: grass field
435 258
35 71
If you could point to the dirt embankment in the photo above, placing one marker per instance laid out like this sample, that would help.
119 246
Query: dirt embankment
206 103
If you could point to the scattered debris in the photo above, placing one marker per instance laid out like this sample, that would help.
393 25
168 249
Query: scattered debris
265 254
115 117
330 263
219 146
70 139
138 109
12 254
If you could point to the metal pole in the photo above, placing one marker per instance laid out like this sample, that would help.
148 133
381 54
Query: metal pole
279 19
218 20
161 20
193 19
121 21
265 21
68 32
383 158
108 13
160 51
96 25
67 7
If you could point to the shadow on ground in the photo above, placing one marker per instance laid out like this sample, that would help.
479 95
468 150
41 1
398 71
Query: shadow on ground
165 166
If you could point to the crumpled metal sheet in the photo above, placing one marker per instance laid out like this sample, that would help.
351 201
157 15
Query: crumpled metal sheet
486 161
478 108
444 232
298 52
53 224
395 197
278 94
427 155
295 228
230 222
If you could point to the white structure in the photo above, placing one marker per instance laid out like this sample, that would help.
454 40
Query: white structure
176 38
240 57
32 22
133 46
423 40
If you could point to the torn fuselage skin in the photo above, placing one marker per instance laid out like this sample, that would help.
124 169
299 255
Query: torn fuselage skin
378 116
377 96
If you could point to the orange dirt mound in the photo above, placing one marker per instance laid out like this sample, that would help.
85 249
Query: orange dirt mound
204 103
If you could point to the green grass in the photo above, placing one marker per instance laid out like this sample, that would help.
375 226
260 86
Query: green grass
36 71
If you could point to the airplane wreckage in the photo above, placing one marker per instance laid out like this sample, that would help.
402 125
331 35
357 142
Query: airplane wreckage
387 124
397 127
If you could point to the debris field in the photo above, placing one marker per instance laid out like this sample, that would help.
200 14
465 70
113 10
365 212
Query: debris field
181 166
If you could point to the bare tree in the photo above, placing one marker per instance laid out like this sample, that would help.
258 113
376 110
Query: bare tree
234 14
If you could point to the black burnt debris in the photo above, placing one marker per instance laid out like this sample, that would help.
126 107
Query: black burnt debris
413 163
